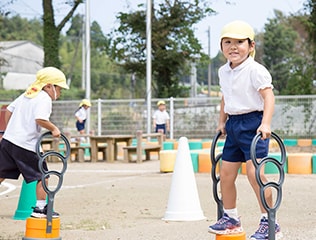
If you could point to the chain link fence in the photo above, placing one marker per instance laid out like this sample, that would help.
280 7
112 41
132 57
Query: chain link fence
294 116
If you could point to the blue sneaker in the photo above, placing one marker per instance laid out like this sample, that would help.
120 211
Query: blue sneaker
263 231
226 225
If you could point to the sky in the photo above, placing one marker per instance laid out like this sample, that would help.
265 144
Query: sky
104 12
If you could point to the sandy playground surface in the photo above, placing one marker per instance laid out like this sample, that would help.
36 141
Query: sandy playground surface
127 201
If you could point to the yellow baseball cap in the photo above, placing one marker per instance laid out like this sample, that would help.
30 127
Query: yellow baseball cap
85 102
238 30
47 75
160 103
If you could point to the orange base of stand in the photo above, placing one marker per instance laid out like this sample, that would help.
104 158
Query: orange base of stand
36 229
237 236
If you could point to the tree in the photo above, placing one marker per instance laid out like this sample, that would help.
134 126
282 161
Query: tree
70 51
173 42
17 28
51 31
310 23
301 75
278 50
106 79
4 11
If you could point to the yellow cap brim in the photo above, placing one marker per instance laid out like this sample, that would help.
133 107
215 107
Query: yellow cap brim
234 36
62 85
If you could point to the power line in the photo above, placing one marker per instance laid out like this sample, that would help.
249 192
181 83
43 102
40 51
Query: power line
31 8
21 8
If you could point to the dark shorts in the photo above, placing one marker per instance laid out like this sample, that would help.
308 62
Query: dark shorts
241 129
15 160
161 127
80 126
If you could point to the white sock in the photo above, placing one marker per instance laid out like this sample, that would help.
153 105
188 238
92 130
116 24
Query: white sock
264 215
232 213
40 204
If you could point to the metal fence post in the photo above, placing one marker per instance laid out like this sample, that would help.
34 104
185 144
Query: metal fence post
99 117
171 117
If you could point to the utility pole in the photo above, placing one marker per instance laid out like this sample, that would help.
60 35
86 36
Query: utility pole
87 62
209 77
148 63
83 77
193 78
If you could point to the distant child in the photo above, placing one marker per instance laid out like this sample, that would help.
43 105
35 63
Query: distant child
81 115
247 107
161 118
25 117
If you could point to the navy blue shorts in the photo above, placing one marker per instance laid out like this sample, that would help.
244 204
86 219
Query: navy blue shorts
15 160
80 126
241 129
161 127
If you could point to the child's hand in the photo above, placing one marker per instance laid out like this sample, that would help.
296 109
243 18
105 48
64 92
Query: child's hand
265 131
222 129
56 132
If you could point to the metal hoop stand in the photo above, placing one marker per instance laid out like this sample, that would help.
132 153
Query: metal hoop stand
35 227
271 210
46 174
215 177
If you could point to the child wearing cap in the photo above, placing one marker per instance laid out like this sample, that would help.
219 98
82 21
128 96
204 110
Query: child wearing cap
25 117
161 118
81 115
247 107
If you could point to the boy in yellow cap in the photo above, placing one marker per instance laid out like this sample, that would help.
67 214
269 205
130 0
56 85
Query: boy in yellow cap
161 118
81 115
25 117
247 107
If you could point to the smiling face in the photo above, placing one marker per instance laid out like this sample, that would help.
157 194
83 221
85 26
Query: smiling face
236 50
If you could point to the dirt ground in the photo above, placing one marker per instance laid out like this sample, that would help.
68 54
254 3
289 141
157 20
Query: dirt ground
127 201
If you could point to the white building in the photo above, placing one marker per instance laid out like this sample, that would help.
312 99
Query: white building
22 59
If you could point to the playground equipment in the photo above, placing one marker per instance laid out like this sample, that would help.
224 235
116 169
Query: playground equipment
37 228
215 177
271 210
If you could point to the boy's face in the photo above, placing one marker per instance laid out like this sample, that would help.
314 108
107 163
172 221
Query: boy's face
236 50
53 91
161 107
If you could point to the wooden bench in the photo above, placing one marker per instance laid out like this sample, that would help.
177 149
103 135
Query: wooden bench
142 147
79 150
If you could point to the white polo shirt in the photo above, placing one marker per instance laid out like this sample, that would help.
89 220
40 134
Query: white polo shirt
240 86
161 117
22 129
81 113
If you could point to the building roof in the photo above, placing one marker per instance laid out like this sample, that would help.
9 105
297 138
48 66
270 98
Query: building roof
21 57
